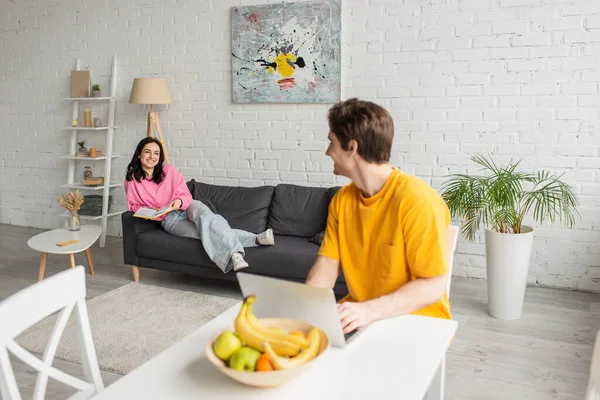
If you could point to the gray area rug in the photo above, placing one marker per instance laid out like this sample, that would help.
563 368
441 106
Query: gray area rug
131 324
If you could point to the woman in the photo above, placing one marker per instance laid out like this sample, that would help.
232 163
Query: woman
150 183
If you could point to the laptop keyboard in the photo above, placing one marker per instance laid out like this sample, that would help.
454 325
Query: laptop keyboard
350 334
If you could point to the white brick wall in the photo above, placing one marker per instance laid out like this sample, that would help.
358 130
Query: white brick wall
518 78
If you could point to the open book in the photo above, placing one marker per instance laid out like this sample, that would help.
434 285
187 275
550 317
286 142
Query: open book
150 213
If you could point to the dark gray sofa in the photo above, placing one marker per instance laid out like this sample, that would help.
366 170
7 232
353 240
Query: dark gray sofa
295 213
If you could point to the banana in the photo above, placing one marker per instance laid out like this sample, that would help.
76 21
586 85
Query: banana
275 333
255 339
305 356
276 330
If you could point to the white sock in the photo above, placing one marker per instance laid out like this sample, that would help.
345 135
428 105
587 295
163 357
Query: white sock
266 238
238 262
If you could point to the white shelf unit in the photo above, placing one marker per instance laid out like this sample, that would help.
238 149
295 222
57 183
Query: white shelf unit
93 218
88 158
91 98
81 128
106 158
81 186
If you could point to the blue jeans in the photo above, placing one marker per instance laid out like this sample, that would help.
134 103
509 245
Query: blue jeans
219 240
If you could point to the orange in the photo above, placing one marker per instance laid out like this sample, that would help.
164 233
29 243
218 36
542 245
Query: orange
263 364
297 333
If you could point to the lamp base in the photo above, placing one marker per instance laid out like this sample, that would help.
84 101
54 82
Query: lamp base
152 121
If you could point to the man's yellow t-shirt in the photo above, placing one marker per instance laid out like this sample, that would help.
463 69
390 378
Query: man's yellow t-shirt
389 239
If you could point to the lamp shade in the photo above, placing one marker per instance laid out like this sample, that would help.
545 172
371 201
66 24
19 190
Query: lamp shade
150 91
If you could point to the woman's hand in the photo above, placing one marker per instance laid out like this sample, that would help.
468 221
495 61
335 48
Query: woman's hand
176 204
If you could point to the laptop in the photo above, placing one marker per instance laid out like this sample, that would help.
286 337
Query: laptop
277 298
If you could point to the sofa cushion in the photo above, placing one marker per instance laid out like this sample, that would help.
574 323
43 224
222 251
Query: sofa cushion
198 195
318 238
298 210
245 208
332 191
160 245
291 257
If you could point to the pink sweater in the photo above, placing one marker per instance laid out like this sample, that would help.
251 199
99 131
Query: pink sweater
148 194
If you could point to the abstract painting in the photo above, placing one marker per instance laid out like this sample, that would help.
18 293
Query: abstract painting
286 53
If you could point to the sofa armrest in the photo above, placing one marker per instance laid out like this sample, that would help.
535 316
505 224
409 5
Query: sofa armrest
132 227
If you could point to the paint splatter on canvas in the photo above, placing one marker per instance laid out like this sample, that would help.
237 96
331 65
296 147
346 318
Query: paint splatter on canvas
286 53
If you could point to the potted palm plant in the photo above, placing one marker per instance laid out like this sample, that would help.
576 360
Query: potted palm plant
499 200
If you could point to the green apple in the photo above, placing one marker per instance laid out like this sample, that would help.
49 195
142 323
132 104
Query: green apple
244 359
226 344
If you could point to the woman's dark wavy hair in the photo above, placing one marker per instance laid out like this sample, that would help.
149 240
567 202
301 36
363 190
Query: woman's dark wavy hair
134 169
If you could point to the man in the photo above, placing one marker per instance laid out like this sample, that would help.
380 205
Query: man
387 229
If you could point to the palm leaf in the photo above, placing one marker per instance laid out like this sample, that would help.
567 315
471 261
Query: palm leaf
500 198
551 199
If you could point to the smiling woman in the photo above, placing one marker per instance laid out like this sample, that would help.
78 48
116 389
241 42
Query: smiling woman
147 161
149 183
149 157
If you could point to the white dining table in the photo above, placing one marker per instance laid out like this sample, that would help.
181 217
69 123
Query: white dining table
396 358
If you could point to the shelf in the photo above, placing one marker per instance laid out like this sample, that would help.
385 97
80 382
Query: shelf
93 217
87 98
106 129
82 128
81 186
87 158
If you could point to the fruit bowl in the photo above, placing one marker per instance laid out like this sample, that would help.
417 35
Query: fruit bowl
268 378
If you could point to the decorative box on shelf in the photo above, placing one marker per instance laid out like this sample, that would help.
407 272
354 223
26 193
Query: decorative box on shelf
94 181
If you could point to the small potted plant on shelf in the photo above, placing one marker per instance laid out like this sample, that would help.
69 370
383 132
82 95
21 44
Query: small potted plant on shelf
82 151
96 91
499 200
72 201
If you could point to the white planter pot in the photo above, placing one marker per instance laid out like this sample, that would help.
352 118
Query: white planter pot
507 263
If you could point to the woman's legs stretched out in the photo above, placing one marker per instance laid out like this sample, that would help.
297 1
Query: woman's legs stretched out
224 246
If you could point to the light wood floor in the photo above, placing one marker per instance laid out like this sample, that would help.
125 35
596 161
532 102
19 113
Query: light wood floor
544 355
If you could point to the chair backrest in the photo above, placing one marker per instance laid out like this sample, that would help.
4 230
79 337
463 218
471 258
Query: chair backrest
62 292
450 247
593 389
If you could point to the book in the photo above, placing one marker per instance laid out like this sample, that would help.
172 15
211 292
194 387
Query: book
150 213
68 243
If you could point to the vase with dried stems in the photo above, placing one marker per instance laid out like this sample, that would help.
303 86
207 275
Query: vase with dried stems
72 201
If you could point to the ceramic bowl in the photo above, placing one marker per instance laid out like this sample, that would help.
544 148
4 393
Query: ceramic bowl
268 378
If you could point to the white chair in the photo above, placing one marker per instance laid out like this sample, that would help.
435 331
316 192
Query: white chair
62 292
593 389
435 392
451 241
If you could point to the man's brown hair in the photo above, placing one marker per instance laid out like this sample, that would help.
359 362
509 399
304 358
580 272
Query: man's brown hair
368 123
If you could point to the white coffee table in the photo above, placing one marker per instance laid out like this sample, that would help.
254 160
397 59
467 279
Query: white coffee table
46 243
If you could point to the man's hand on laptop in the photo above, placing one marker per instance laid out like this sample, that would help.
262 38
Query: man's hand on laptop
354 315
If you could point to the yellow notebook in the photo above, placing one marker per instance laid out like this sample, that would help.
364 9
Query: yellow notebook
150 213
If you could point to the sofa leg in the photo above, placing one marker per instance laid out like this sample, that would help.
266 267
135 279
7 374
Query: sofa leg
136 273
